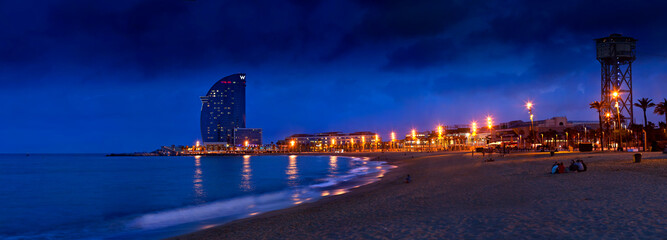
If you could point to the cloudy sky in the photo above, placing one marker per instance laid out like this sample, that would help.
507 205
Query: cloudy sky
124 76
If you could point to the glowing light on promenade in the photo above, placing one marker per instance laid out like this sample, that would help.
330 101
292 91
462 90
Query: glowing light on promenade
363 139
615 94
393 136
414 134
333 141
439 131
197 144
291 143
377 138
245 143
474 128
529 106
489 122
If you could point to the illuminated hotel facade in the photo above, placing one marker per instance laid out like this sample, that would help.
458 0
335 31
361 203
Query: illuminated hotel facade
223 110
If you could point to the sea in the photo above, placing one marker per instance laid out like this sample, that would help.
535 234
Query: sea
92 196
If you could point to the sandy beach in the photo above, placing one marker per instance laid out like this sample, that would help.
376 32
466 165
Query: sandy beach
457 196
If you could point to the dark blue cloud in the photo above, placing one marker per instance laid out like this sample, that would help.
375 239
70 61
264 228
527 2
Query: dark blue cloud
95 76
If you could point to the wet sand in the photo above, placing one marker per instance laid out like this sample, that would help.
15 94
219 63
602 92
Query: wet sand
456 196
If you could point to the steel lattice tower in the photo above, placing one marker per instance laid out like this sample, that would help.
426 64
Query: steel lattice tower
616 54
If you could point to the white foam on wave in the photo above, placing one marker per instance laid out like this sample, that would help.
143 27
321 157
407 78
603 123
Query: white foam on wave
250 205
225 208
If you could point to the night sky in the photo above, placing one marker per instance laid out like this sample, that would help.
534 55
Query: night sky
125 76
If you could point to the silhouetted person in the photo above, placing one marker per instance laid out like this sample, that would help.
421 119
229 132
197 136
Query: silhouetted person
561 168
583 167
573 166
408 179
554 168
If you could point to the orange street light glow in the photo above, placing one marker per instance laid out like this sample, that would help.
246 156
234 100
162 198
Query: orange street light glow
246 143
615 94
333 141
474 128
439 131
377 138
291 143
363 139
393 136
414 134
529 105
489 122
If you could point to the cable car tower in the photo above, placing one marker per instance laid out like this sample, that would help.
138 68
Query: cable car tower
616 54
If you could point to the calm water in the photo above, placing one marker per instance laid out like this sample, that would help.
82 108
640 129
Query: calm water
93 196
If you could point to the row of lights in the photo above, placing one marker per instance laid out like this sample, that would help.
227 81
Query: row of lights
489 122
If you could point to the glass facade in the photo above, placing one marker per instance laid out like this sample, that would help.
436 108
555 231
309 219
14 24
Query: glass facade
223 110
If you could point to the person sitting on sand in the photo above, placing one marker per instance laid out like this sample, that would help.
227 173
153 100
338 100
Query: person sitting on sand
580 167
583 167
408 179
554 168
573 167
561 168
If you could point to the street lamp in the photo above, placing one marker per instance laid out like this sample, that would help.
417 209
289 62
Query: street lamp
474 132
393 138
529 106
414 136
618 112
363 143
608 115
489 124
439 136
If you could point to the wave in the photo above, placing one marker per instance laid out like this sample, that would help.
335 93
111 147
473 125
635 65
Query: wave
235 208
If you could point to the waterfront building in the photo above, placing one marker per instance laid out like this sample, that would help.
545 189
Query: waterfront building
328 140
223 110
247 137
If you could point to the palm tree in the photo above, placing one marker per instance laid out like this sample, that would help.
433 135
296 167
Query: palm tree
661 109
598 106
644 104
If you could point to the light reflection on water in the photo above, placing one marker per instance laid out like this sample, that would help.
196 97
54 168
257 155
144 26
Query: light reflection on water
198 186
333 166
292 172
169 197
246 175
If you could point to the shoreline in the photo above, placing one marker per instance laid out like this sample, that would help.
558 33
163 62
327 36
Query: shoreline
391 160
342 185
454 195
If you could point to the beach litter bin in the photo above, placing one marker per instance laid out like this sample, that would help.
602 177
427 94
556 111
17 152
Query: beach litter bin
638 157
552 153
